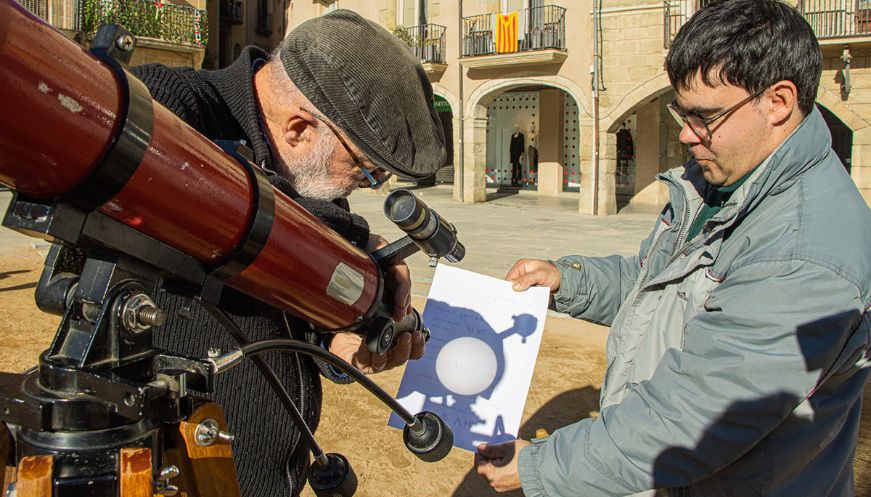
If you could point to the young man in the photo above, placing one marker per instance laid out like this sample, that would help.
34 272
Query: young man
739 343
341 104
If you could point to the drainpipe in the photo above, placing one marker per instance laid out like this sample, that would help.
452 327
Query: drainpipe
462 105
595 109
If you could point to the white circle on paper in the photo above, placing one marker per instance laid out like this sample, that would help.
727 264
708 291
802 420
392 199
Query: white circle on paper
466 366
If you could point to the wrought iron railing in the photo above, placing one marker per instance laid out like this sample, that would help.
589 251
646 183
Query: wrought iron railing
837 18
427 41
148 18
676 14
538 28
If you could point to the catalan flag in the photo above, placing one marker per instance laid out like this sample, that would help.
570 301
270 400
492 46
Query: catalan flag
506 32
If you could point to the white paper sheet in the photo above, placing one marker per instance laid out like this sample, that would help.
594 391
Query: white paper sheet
480 357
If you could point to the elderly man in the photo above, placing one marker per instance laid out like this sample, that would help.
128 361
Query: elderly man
739 343
341 104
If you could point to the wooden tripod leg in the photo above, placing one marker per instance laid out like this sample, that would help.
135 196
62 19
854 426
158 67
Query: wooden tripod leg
136 474
34 476
7 452
207 471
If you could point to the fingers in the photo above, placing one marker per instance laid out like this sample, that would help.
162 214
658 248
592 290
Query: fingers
418 345
490 451
399 353
517 270
401 277
533 272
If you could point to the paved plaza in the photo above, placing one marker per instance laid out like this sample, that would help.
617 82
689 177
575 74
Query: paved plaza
509 227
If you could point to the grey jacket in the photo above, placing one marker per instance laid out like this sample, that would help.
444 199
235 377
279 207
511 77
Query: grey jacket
736 361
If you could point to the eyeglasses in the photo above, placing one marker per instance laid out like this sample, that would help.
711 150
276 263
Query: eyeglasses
700 125
373 183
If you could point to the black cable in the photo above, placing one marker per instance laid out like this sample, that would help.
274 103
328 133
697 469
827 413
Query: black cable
289 344
271 377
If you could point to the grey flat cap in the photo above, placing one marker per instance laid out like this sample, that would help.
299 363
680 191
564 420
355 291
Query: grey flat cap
366 81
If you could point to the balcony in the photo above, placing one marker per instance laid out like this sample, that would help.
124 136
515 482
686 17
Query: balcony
535 36
231 12
62 14
427 43
837 21
175 24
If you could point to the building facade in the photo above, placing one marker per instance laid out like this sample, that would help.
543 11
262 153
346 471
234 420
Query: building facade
566 98
580 91
171 33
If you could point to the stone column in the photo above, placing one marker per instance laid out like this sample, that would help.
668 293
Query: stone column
550 168
607 172
860 169
585 162
475 159
457 135
648 156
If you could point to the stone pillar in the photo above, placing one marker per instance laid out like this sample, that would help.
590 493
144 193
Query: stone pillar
550 138
860 169
607 173
475 159
648 156
585 162
457 135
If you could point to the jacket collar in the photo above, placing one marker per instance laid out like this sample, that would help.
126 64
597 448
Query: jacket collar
802 150
235 84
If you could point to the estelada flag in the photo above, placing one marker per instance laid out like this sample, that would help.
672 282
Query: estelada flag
506 32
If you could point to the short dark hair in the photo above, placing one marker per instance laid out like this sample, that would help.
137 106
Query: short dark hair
751 44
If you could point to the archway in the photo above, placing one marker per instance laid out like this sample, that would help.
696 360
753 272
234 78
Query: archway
523 134
643 141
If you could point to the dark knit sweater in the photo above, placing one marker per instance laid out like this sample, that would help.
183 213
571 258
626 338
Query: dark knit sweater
270 458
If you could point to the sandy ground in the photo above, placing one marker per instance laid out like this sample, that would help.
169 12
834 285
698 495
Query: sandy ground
565 388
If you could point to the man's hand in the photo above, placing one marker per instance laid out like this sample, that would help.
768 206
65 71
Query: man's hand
398 280
534 272
351 348
498 464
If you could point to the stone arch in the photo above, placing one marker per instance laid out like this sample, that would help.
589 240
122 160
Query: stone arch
475 124
446 94
630 102
841 110
477 104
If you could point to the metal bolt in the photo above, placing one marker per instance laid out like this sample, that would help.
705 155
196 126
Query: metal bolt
91 312
140 313
124 42
152 316
208 432
168 473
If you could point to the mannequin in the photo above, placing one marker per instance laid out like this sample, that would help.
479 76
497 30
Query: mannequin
532 153
518 146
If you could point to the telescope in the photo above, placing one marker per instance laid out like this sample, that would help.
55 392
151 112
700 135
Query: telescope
136 202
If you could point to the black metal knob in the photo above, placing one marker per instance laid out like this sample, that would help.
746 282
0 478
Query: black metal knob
336 478
429 438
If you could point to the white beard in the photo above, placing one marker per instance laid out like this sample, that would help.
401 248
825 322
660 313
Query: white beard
310 175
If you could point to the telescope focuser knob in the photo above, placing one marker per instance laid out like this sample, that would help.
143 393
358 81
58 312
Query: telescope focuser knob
335 478
379 335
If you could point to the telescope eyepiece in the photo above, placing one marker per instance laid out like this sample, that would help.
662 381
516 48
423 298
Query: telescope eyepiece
430 232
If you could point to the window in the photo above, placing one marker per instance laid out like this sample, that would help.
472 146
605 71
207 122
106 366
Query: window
412 12
512 5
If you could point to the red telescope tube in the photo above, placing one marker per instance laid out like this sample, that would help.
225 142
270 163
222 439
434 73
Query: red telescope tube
61 111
